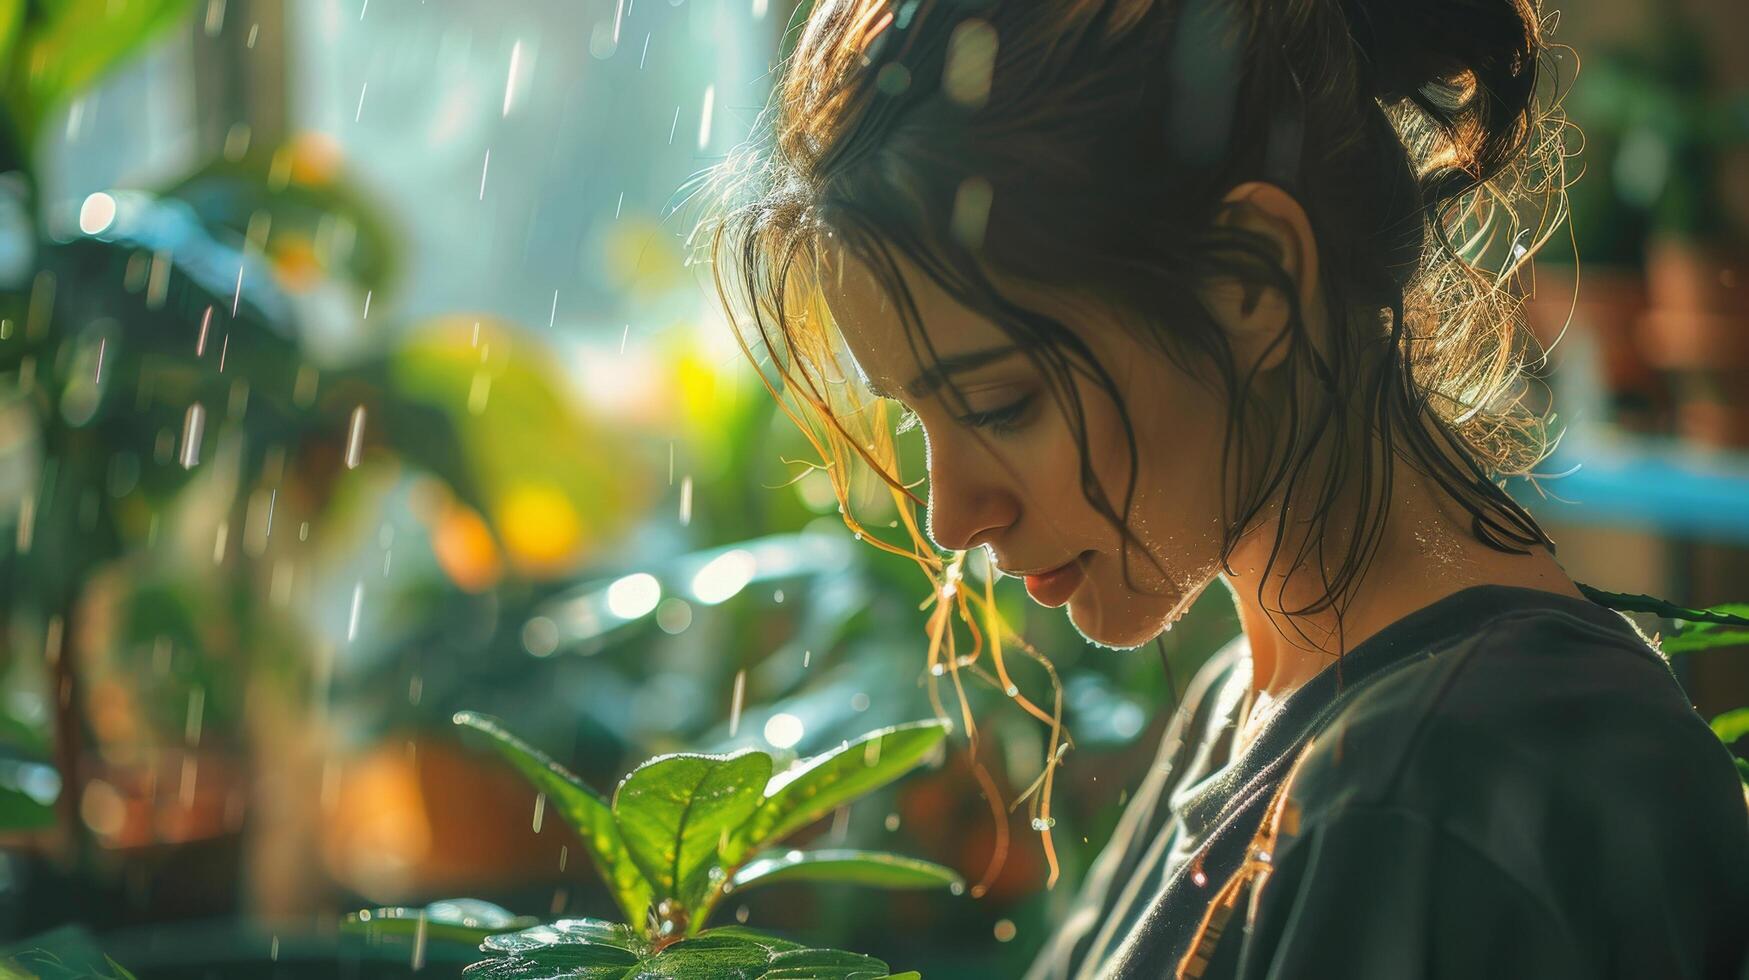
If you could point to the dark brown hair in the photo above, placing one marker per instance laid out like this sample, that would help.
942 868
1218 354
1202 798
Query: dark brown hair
1085 145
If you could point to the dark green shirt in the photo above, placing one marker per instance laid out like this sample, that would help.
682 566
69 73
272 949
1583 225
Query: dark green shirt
1505 783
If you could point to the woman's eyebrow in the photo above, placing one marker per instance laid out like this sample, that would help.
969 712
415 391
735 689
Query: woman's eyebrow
936 375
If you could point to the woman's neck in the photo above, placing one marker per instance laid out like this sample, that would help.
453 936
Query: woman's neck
1426 552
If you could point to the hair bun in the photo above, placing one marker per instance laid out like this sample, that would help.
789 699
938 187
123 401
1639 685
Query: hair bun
1409 44
1483 52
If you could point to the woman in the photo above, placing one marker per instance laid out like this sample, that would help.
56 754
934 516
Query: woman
1188 290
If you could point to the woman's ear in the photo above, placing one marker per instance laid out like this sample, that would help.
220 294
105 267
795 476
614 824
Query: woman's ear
1253 315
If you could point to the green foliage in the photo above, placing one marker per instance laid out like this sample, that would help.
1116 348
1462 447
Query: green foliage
857 867
55 48
460 920
680 827
804 794
1706 635
586 812
675 812
1732 725
590 949
67 953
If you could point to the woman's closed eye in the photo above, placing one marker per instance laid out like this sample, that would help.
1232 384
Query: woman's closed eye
1001 420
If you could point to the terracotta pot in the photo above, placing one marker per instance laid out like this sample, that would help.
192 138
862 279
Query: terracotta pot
1696 329
1608 307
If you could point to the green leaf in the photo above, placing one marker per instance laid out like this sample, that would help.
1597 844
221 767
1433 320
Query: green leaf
464 920
588 949
1729 614
63 47
873 868
1702 636
677 811
1732 725
802 795
588 813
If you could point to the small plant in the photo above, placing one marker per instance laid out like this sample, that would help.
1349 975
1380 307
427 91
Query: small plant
681 833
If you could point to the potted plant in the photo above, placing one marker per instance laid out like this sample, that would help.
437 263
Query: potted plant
680 833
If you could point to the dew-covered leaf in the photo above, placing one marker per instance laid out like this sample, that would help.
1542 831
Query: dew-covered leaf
585 949
588 813
464 920
803 794
675 812
873 868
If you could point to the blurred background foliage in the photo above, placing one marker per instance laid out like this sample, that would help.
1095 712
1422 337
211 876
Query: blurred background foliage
350 376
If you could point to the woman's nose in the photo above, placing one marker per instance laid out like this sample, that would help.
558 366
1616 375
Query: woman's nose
967 503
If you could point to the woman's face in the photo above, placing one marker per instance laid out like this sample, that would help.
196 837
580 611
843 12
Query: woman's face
1007 476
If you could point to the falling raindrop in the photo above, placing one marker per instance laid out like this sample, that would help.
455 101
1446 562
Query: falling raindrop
735 701
418 959
485 166
704 122
355 438
357 605
859 701
806 656
193 424
892 821
741 913
540 810
685 501
510 78
1004 930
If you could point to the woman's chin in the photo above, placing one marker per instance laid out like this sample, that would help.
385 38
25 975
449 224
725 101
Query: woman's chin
1100 629
1123 625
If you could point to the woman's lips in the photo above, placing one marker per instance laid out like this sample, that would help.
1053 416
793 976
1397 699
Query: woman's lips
1053 588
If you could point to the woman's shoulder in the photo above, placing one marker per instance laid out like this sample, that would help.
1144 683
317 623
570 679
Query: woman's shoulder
1535 727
